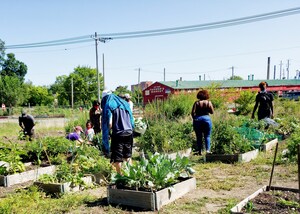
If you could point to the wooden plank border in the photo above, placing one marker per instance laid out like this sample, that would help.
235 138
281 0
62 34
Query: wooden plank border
238 208
149 200
8 180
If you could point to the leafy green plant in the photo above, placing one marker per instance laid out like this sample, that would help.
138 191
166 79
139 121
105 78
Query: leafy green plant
166 136
227 140
245 102
249 206
12 156
64 173
293 143
152 174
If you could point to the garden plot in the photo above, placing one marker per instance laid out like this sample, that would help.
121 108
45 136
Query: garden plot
150 200
18 178
243 157
270 200
65 187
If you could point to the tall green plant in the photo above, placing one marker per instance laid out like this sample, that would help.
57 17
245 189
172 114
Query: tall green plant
245 102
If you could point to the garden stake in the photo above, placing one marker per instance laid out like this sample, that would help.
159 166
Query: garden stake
299 171
273 166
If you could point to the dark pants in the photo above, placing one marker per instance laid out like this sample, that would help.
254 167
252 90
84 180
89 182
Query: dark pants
121 147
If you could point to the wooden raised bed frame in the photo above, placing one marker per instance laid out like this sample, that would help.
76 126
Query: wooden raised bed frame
238 208
8 180
244 157
62 187
149 200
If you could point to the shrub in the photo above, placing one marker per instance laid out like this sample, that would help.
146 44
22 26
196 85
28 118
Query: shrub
166 136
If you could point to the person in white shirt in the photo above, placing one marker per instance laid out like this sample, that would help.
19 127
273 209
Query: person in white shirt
128 99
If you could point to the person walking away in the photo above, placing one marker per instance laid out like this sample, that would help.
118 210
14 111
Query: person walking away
201 120
117 117
75 136
27 123
95 114
128 99
264 102
89 132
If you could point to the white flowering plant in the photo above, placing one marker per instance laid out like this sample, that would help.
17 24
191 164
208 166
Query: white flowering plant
139 125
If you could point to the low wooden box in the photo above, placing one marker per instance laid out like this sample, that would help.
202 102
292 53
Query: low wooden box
62 187
269 145
149 200
238 208
244 157
8 180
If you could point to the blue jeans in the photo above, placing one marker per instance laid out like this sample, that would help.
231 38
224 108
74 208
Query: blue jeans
202 127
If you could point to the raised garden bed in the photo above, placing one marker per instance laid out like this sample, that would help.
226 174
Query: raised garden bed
244 157
58 188
267 203
269 145
8 180
149 200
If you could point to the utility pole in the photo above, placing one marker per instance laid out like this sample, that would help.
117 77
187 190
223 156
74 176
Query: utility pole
98 39
72 93
139 76
268 68
280 69
288 69
232 72
164 74
274 72
103 70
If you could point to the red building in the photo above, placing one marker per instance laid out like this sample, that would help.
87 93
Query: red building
161 90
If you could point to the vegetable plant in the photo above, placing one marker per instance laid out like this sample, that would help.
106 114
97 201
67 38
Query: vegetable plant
152 174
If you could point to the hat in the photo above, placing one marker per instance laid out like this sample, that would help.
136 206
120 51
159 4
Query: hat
23 112
127 96
106 92
78 128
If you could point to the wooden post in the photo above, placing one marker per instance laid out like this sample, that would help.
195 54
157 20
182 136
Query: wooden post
299 169
273 166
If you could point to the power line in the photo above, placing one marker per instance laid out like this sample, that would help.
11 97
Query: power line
165 31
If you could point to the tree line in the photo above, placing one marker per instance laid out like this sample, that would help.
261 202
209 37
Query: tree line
80 85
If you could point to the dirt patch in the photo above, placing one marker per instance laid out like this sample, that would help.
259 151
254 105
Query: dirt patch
274 202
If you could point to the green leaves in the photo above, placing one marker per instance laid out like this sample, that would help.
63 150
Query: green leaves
152 174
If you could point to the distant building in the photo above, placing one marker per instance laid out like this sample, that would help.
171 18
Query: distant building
142 85
161 90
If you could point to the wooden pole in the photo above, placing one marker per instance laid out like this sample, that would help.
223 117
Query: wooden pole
273 166
299 170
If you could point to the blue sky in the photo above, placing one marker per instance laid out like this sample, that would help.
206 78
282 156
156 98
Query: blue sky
187 55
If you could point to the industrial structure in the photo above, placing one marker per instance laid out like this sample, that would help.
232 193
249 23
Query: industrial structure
161 90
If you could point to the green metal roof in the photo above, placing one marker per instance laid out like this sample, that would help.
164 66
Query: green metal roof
227 83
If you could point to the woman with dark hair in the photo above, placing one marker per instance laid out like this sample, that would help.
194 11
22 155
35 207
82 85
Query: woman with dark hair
264 102
95 113
201 120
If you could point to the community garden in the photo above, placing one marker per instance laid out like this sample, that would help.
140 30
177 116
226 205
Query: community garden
166 174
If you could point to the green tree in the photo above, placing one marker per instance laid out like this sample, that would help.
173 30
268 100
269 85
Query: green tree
235 78
39 95
122 90
59 91
13 67
11 90
85 86
2 53
137 96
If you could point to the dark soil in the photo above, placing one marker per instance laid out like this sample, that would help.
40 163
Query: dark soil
274 202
